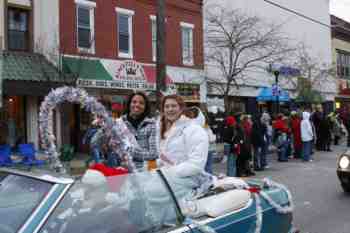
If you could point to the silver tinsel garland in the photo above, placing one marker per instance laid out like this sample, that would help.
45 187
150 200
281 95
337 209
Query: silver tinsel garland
116 131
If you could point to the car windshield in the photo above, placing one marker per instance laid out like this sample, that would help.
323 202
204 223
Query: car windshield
131 203
19 197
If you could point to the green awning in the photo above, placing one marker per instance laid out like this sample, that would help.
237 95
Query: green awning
85 68
111 73
28 67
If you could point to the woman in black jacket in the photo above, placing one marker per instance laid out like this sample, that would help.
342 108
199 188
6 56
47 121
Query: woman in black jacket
259 132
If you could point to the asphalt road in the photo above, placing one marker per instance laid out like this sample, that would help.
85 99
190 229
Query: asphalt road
321 206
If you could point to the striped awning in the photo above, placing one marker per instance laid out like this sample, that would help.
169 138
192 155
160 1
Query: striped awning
112 74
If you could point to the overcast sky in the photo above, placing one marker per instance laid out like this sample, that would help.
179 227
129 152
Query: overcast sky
340 8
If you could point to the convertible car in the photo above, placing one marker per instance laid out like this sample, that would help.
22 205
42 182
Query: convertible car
38 201
343 171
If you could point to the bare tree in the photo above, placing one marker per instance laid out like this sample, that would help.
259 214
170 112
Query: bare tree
314 76
236 43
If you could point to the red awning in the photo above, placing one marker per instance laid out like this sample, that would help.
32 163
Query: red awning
151 74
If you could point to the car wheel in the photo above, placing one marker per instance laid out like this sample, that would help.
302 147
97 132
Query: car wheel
346 187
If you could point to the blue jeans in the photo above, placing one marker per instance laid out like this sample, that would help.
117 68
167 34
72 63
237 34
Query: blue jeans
96 154
231 165
307 150
113 160
283 151
264 151
258 161
231 160
209 164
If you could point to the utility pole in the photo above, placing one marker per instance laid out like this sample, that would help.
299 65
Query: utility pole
161 53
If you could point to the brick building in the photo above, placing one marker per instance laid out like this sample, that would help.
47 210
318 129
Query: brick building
27 31
109 46
341 58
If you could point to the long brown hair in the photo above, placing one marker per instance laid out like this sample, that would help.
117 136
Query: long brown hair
180 102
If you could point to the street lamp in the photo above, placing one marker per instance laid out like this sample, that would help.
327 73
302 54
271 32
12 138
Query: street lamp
277 73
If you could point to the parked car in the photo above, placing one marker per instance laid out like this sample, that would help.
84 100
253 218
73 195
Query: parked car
343 171
140 202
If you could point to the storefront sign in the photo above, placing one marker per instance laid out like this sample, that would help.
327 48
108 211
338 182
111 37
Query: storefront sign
284 70
120 75
130 70
116 84
113 74
126 75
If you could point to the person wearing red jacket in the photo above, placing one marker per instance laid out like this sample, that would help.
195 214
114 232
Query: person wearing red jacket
296 132
280 124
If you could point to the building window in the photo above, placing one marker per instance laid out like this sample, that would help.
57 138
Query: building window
187 43
343 65
18 29
125 48
154 37
189 92
85 26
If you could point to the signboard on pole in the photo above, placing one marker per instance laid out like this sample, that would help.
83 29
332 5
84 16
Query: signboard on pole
275 90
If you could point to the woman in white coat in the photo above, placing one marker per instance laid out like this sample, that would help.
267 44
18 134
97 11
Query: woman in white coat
183 147
306 136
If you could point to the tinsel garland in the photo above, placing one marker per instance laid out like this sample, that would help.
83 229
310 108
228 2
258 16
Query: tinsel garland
116 132
279 209
259 213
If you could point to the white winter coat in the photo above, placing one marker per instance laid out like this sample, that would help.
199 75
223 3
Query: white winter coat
186 146
306 128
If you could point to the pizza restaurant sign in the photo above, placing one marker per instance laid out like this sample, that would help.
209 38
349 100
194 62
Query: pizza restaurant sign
124 75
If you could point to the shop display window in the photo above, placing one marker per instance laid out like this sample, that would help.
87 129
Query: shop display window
190 92
12 121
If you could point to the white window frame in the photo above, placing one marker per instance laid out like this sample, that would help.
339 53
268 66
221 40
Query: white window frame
130 14
153 19
91 7
191 28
